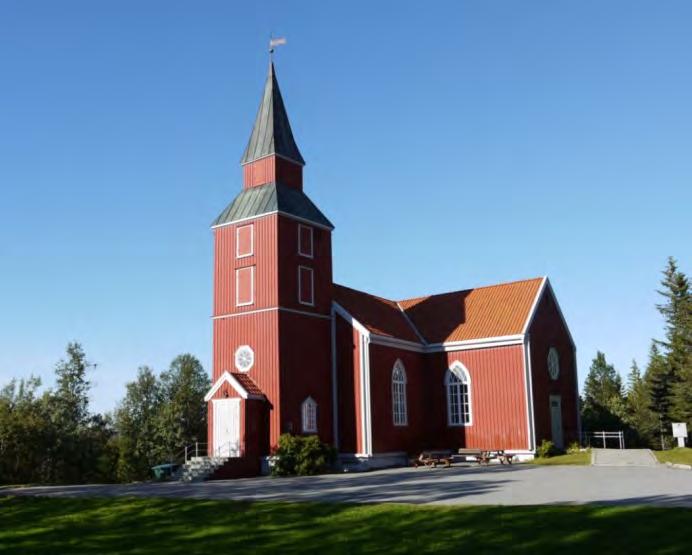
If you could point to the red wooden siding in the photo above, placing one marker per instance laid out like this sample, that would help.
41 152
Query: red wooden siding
547 330
290 260
386 437
306 370
497 391
272 169
348 387
264 258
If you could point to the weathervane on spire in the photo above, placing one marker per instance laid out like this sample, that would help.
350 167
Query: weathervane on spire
273 43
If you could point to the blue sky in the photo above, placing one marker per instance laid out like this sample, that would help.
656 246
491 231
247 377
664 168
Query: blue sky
452 144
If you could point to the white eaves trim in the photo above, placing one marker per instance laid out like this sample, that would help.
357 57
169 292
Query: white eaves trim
346 315
469 344
271 213
227 377
546 286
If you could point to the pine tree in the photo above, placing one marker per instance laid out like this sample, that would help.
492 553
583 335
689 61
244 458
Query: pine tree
639 414
604 406
658 379
677 312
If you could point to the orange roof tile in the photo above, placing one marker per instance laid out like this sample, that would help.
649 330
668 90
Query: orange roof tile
491 311
380 316
246 382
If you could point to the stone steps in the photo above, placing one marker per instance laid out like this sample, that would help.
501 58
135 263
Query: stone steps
198 469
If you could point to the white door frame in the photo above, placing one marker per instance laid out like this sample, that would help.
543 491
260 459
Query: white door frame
556 425
226 427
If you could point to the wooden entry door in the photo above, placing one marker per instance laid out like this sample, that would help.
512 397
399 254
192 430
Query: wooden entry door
226 427
556 420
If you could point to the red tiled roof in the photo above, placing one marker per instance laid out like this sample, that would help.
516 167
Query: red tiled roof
380 316
246 382
491 311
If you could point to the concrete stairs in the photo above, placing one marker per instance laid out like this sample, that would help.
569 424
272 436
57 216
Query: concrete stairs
198 469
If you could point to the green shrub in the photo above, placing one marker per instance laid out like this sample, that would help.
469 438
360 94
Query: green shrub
546 449
573 448
302 456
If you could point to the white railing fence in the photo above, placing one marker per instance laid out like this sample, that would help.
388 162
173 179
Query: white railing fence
603 439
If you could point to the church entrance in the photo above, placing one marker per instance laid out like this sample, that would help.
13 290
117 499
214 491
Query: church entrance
226 427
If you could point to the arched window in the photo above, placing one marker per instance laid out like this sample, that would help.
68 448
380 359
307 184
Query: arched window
399 411
458 385
309 412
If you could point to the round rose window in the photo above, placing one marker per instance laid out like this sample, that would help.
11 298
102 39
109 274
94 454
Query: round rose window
553 363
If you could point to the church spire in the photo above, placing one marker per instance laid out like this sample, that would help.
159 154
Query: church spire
272 135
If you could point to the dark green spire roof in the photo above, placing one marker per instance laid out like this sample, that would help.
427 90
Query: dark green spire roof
271 198
272 132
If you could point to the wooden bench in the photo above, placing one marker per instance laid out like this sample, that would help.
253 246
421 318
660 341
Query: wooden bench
433 458
484 456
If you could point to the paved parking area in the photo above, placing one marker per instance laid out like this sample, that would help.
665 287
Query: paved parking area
495 485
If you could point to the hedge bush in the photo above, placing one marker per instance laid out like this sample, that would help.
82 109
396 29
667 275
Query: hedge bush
302 456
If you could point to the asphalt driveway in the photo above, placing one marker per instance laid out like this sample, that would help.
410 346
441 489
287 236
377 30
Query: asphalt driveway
495 485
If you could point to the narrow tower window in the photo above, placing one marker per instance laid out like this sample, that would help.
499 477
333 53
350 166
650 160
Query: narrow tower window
305 241
306 286
309 413
245 286
244 241
458 386
399 409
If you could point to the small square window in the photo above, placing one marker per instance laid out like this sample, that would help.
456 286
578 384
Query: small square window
244 241
305 241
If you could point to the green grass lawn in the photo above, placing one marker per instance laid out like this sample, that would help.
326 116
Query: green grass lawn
583 457
679 455
176 526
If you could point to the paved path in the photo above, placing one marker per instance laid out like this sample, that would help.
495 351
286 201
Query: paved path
516 485
623 457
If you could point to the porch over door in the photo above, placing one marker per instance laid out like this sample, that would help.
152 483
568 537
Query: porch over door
226 427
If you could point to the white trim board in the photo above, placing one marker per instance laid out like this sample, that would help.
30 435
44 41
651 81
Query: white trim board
275 308
272 213
227 377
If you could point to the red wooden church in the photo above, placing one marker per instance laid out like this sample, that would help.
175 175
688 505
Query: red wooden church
491 367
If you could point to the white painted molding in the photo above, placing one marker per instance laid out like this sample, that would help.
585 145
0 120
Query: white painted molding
272 213
346 315
275 308
227 377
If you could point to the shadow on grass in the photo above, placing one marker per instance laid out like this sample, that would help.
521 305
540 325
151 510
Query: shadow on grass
180 526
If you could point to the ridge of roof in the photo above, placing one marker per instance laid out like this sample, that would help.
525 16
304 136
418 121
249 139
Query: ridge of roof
457 291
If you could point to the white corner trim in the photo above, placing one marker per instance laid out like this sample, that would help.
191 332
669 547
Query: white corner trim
482 343
534 306
335 387
227 377
272 309
413 327
530 412
346 315
272 213
366 415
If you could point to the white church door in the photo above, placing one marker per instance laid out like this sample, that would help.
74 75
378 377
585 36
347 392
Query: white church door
226 427
556 420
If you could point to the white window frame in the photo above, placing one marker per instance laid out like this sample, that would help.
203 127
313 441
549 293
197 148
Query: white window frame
399 400
252 285
311 254
252 241
460 372
312 286
308 416
555 355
